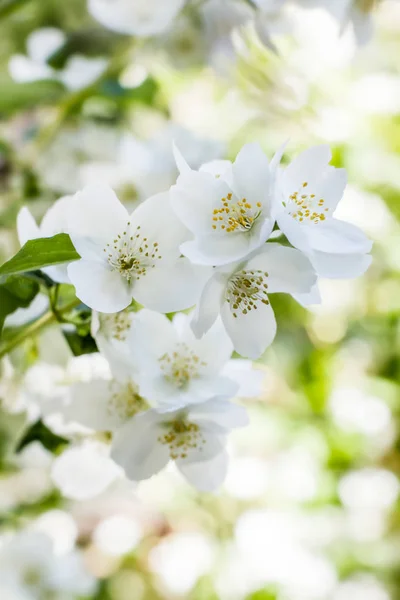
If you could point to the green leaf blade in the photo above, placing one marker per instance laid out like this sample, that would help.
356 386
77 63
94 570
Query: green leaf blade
40 253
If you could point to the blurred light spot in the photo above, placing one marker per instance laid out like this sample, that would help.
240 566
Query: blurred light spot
270 543
133 76
366 588
247 478
60 527
181 559
117 535
355 411
369 488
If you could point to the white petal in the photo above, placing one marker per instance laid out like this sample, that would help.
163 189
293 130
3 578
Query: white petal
194 198
246 376
294 231
215 347
159 223
90 405
42 43
331 187
27 227
169 288
338 237
56 218
251 176
152 335
181 163
308 166
99 287
58 273
228 415
84 471
340 266
136 448
97 213
81 71
310 298
206 476
222 249
141 18
252 333
158 390
209 304
289 270
25 70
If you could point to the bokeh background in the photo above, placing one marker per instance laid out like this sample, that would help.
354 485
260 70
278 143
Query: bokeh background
310 508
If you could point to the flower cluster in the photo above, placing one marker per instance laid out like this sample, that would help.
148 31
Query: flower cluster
222 241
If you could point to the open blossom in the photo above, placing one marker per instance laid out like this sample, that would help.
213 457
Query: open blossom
30 569
106 403
240 294
141 17
78 72
53 222
307 194
125 257
174 368
227 207
193 437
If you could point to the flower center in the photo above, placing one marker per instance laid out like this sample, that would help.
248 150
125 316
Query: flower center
132 254
182 436
126 401
366 6
303 206
181 365
116 325
246 290
235 216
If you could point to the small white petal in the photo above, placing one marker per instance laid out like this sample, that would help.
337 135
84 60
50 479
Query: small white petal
250 333
206 476
27 227
310 298
289 270
42 43
228 415
251 175
194 198
97 213
170 288
209 304
136 448
340 266
84 471
308 166
99 287
338 237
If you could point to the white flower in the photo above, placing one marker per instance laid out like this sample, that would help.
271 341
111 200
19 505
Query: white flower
239 293
53 222
138 17
85 471
173 367
226 206
193 437
105 404
150 164
78 72
125 257
30 569
307 194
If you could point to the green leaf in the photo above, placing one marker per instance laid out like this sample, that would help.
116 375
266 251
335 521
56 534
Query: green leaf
16 292
39 432
39 253
18 96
